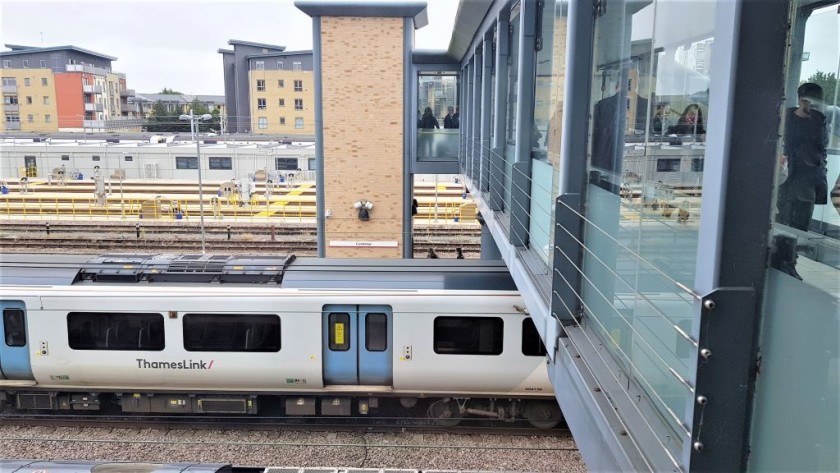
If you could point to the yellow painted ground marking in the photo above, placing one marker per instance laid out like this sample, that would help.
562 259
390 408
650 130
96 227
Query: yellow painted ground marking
275 207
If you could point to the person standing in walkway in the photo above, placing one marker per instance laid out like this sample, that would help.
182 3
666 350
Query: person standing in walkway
428 121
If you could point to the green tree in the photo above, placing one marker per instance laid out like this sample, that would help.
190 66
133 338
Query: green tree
828 82
166 91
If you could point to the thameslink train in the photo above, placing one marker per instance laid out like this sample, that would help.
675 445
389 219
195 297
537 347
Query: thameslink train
217 334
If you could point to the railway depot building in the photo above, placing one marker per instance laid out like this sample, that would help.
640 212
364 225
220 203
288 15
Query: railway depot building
624 158
62 88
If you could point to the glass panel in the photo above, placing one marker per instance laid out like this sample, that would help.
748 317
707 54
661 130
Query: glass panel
115 331
14 324
650 99
795 421
532 344
510 129
376 332
548 125
339 331
468 335
232 332
438 117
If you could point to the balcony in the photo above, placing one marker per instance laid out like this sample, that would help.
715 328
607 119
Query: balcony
85 68
92 89
10 89
11 126
93 107
127 93
11 107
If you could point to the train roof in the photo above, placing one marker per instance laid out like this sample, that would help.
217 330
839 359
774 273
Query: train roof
259 271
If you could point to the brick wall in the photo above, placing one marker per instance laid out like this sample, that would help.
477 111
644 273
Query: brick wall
362 92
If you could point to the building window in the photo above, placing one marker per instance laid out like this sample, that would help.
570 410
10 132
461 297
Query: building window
282 102
115 331
286 164
95 158
668 165
46 100
7 63
220 163
28 100
25 63
281 83
10 99
259 65
298 104
298 86
48 118
279 65
10 81
468 335
282 120
30 118
43 63
296 66
298 122
13 118
232 332
186 162
26 81
261 105
261 85
262 123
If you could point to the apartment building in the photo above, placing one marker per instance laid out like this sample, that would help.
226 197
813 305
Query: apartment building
62 88
268 90
142 103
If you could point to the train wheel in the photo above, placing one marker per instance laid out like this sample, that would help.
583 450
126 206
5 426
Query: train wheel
445 413
543 414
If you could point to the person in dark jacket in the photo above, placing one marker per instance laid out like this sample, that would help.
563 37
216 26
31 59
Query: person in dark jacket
690 122
428 121
450 121
805 142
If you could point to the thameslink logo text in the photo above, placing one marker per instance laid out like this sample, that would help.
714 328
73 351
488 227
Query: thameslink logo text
142 363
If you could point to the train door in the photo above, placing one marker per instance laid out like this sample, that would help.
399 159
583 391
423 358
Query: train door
14 348
358 345
31 165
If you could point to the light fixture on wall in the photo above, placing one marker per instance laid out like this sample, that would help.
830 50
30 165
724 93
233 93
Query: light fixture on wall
364 207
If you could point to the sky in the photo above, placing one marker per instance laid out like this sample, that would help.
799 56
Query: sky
174 43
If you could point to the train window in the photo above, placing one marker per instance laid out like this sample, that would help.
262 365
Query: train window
186 162
532 344
115 331
339 331
15 327
468 335
220 163
232 332
376 332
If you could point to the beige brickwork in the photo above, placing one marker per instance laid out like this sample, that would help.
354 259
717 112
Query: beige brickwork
35 97
279 85
362 103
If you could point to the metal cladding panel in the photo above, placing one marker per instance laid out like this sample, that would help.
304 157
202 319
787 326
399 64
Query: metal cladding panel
48 270
398 274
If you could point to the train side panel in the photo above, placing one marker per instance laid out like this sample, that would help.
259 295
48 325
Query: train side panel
418 367
296 366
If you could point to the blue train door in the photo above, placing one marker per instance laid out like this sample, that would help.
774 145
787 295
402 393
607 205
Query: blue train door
358 345
14 348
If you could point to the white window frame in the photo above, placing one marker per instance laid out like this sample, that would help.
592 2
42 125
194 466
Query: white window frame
298 104
299 123
262 123
259 65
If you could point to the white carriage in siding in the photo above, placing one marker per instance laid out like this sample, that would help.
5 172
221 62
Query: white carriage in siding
329 337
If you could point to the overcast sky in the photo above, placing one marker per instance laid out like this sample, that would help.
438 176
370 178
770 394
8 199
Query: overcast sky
173 43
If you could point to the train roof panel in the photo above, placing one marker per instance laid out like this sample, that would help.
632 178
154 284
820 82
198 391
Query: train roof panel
281 271
449 274
56 466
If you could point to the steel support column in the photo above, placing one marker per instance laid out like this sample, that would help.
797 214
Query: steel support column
484 168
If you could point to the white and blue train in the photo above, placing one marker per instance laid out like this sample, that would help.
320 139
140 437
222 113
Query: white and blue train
222 334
